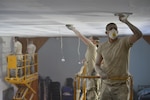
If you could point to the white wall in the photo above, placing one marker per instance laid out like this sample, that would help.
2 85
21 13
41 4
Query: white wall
50 60
50 63
4 51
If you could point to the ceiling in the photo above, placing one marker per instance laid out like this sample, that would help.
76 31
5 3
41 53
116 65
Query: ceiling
48 17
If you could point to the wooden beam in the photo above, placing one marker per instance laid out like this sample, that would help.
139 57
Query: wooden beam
147 38
38 41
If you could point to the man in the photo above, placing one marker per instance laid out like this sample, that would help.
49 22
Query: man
89 63
18 52
115 53
31 48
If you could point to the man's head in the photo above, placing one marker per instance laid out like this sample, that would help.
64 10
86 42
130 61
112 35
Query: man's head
112 30
111 26
30 41
16 38
94 39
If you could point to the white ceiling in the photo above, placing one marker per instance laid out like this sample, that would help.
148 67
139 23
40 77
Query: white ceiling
48 17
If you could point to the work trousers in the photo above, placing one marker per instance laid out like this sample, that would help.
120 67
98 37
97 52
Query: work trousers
117 91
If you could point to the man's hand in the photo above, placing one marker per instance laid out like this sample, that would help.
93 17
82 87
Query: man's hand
103 75
123 17
70 27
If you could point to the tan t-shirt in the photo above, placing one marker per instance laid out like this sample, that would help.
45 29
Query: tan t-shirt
90 57
115 56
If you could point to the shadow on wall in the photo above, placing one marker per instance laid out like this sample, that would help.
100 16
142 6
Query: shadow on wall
8 94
